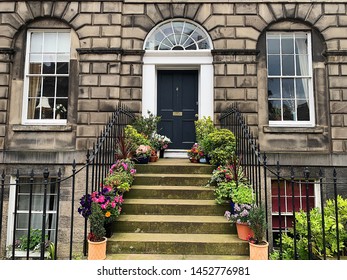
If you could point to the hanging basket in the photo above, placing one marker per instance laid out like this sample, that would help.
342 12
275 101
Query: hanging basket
97 250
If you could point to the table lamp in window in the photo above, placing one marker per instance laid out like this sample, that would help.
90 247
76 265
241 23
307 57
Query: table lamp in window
47 111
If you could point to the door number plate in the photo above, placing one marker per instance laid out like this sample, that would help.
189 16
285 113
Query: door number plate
177 114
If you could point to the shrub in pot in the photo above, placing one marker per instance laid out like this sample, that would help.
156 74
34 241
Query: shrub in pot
258 246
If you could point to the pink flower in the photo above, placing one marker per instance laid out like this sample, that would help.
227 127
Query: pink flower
125 166
132 171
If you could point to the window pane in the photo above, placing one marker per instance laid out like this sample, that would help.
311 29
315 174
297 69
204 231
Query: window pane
301 45
35 58
274 90
48 68
273 46
50 42
63 42
302 88
287 45
288 88
36 42
61 109
302 65
62 68
35 68
63 58
289 110
288 65
34 86
274 110
303 110
48 86
274 65
62 86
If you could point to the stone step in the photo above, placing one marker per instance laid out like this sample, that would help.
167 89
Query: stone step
172 179
173 207
174 257
195 244
173 224
170 192
174 167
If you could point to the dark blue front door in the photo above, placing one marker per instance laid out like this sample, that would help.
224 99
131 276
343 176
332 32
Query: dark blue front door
178 105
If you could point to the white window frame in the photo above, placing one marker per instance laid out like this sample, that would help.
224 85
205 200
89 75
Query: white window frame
10 221
286 123
25 120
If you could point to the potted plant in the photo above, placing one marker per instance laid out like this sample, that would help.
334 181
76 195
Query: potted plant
195 153
143 153
161 143
101 208
96 237
241 218
154 155
258 246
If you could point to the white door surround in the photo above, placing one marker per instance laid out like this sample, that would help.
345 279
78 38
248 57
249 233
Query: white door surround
199 60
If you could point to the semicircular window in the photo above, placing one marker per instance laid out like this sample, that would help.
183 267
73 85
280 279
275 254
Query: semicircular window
178 35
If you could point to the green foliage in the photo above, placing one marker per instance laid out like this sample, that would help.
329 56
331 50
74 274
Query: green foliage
242 193
51 251
220 146
146 125
133 139
257 222
316 232
97 221
223 191
115 180
203 127
34 241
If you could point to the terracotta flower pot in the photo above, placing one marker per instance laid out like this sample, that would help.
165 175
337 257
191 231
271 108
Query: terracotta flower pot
194 160
97 250
259 251
244 232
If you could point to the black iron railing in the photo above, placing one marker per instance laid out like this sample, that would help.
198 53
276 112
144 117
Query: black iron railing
98 161
276 187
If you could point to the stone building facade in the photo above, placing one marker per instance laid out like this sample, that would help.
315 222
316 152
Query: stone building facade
109 64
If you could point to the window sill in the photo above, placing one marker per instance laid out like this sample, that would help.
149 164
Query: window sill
42 128
294 130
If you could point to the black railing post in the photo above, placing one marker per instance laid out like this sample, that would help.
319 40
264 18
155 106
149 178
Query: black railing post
322 209
309 234
15 215
86 192
31 185
72 206
279 208
265 194
336 214
57 218
44 214
292 177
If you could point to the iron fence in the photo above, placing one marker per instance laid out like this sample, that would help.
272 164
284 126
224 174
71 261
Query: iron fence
296 198
51 185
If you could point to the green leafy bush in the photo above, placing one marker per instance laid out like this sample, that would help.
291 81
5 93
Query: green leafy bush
203 127
316 232
220 146
146 125
133 139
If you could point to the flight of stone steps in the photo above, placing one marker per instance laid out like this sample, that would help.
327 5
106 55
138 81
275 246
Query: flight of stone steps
170 214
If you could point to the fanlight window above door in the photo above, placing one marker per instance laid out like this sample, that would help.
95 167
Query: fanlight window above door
178 35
